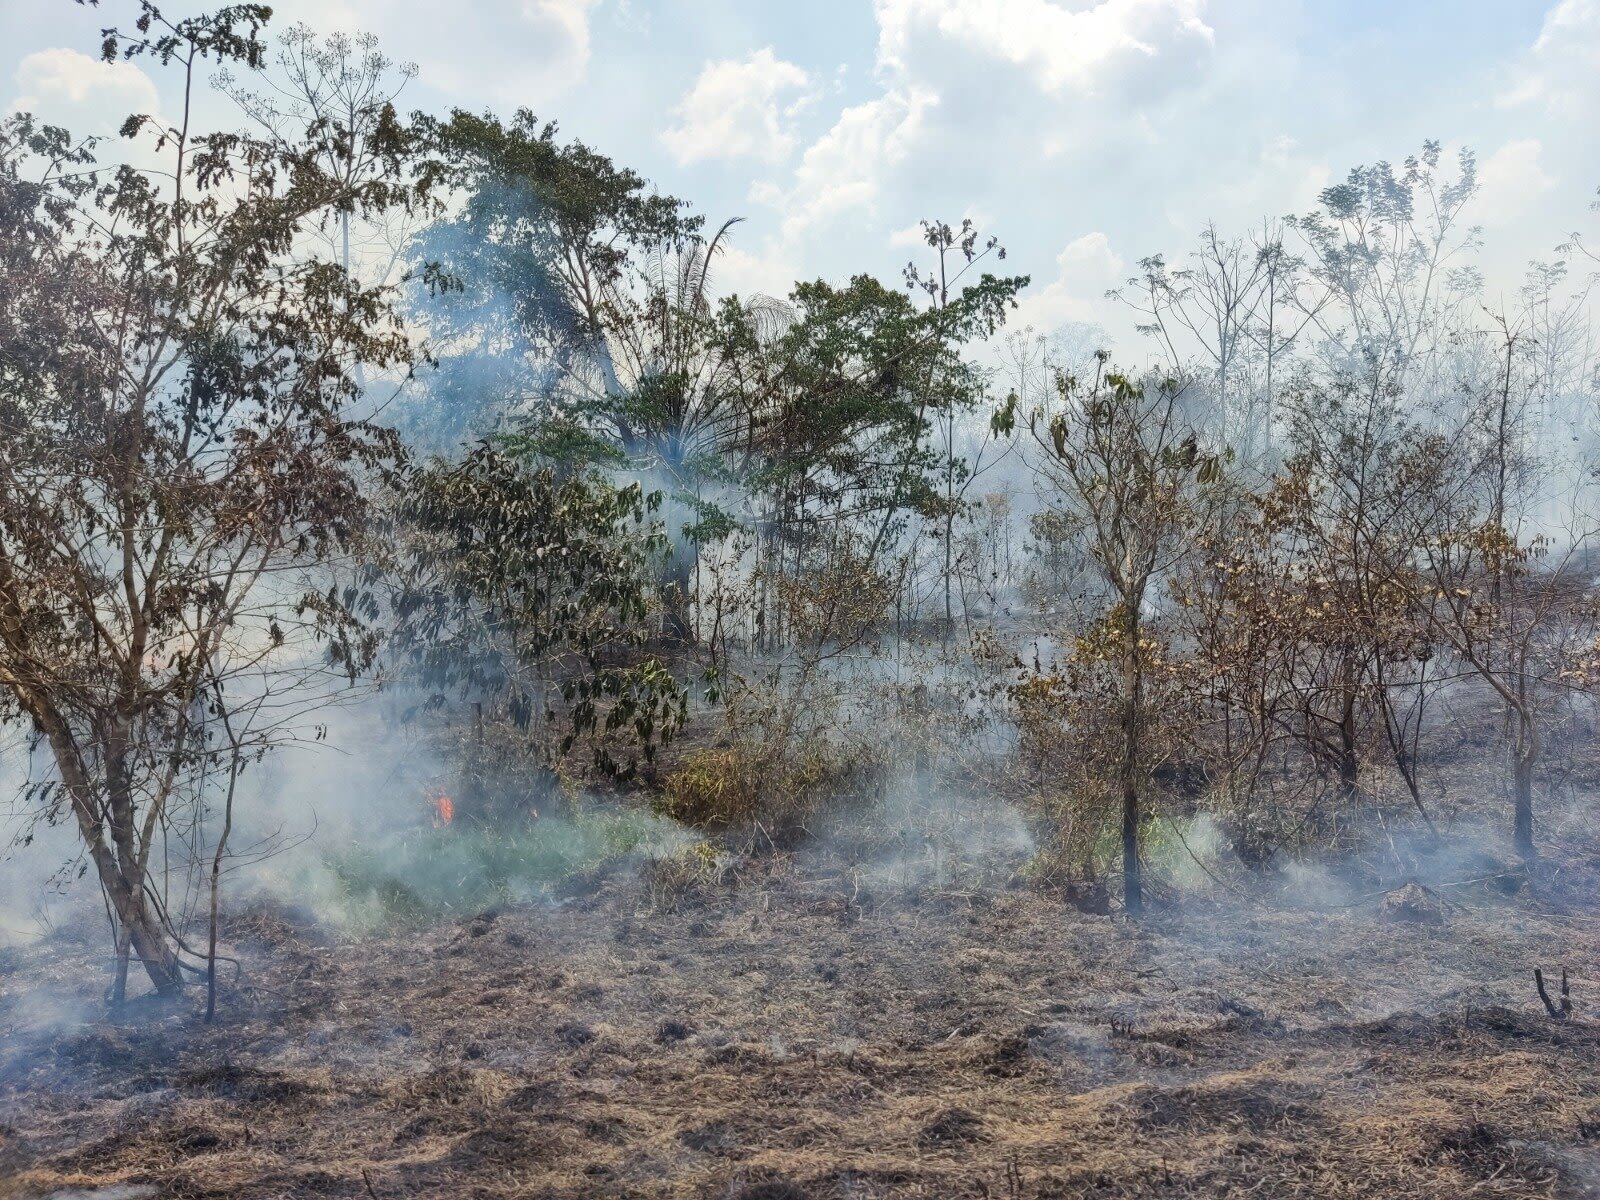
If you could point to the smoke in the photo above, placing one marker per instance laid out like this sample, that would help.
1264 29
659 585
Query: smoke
338 824
41 857
481 286
346 828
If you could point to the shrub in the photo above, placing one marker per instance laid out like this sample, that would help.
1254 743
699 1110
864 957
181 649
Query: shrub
743 786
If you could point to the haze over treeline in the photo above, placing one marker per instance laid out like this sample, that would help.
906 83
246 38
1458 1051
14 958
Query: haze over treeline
316 398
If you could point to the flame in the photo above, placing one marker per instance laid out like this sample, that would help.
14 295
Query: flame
444 810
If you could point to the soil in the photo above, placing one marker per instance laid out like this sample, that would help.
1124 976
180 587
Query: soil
797 1031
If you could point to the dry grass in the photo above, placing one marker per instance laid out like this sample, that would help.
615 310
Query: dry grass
789 1036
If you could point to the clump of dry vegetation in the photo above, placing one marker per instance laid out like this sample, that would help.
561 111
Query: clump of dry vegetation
740 787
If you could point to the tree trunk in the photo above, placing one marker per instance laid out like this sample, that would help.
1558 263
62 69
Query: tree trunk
119 984
1132 680
121 876
1349 758
1522 821
1349 766
143 930
222 849
949 609
678 622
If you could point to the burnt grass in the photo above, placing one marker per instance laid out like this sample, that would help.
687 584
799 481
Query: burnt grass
793 1034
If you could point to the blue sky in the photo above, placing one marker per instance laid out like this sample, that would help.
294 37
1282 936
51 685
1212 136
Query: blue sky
1085 133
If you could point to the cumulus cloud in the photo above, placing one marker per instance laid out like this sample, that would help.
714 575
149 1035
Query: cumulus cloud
1511 180
844 169
1086 269
769 271
65 87
1109 46
1561 70
952 71
732 111
564 24
522 53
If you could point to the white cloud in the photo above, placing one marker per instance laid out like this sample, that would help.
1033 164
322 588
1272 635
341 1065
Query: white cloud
522 53
1562 68
845 168
1085 270
771 272
1511 180
1109 46
562 25
83 94
732 111
949 74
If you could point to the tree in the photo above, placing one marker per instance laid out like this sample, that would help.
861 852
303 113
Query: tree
1118 456
1344 512
1504 590
1387 252
853 393
182 461
529 588
579 306
1240 303
534 276
1304 636
955 252
339 93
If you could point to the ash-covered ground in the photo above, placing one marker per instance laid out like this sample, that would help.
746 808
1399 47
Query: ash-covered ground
800 1029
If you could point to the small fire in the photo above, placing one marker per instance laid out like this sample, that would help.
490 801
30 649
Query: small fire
444 810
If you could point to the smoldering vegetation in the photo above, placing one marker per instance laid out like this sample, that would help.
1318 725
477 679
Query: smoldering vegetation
789 1026
492 715
894 1002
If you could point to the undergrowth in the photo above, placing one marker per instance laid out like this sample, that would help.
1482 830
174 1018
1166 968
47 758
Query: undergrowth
421 875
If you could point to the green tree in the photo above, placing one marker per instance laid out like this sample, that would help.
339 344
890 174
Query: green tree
530 588
583 307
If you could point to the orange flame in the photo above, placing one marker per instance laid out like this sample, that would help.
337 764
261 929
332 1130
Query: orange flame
444 810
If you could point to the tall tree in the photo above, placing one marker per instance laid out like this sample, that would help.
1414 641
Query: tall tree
1391 259
956 252
182 455
1119 457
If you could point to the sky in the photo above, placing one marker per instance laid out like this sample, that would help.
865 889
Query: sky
1085 134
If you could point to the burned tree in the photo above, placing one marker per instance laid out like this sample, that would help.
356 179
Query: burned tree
182 463
1119 456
